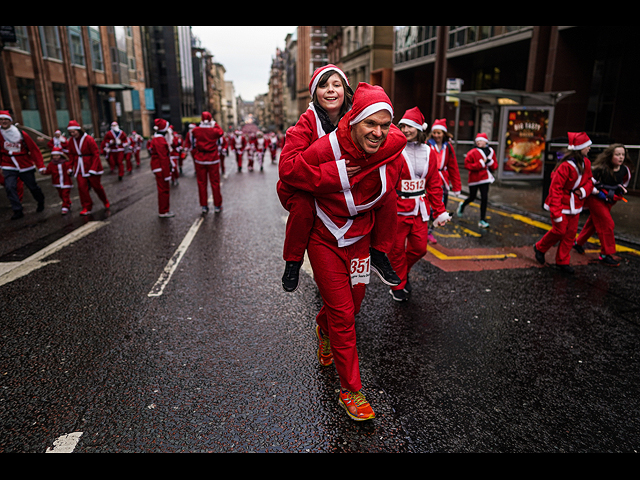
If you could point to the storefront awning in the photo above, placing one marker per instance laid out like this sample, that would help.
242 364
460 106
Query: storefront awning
510 97
113 86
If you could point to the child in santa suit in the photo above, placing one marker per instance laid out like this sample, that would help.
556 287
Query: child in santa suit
160 164
419 198
571 184
57 140
204 149
331 97
86 166
367 141
60 170
480 162
440 142
611 174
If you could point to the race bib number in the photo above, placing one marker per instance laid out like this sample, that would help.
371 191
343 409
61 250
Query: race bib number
413 186
360 271
12 147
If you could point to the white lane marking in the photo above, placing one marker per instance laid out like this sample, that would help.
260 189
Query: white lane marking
306 264
65 443
174 261
13 270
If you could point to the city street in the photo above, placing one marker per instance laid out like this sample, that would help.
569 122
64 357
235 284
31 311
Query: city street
126 332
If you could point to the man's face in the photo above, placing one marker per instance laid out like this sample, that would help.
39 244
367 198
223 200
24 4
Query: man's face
370 133
5 122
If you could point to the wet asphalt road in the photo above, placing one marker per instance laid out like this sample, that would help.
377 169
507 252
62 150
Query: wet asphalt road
509 357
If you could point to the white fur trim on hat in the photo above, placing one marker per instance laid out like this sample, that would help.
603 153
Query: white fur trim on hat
321 72
370 110
413 124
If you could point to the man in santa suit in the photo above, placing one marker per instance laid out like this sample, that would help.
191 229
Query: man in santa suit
349 172
113 145
160 163
204 149
135 141
19 158
239 143
86 166
58 141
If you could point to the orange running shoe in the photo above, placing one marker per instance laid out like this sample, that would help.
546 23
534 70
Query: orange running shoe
324 348
356 405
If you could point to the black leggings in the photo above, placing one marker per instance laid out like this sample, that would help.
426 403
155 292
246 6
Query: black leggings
484 198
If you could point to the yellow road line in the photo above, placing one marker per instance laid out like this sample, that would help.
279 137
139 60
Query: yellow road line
443 256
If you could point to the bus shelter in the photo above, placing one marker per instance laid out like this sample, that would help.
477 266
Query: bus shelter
524 121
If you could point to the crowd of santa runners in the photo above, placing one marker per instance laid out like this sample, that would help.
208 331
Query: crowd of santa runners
363 189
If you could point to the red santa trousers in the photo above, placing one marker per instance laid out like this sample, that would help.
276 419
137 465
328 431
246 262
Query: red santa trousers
116 159
600 222
205 174
563 232
409 247
65 196
83 190
164 192
341 302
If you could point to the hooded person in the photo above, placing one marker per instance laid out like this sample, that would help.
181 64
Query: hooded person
204 150
160 150
86 166
113 147
419 199
332 98
367 142
59 168
20 156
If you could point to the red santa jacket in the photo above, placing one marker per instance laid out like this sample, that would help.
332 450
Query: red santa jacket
114 142
59 171
480 166
159 150
84 156
18 151
59 142
344 205
204 143
420 187
569 188
447 165
238 143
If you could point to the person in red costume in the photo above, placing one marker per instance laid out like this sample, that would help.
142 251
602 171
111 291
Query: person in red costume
367 142
160 150
571 184
204 149
113 146
331 97
59 168
86 166
419 198
19 159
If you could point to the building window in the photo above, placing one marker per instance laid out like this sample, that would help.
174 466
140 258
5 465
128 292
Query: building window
50 42
22 40
412 42
96 48
75 46
29 103
62 108
85 108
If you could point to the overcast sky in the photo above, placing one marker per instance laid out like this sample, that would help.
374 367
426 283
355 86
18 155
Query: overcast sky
246 52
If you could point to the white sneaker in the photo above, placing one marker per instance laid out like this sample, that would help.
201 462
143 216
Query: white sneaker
167 215
483 224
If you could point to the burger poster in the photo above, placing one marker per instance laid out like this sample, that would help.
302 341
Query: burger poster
525 138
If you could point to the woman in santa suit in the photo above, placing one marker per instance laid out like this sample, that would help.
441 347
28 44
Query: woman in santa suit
440 142
86 166
419 181
479 161
367 141
571 184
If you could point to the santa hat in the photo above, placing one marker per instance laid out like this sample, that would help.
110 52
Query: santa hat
313 84
73 125
414 118
578 140
5 114
161 125
57 131
367 100
58 151
482 136
114 124
440 124
206 117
